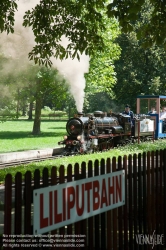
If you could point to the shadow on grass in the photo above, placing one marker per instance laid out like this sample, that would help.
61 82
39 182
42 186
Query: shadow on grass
42 120
57 128
22 134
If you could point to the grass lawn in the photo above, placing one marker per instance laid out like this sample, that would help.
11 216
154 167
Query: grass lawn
17 135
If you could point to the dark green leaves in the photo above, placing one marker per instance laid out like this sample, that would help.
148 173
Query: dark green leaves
79 23
128 12
7 9
82 23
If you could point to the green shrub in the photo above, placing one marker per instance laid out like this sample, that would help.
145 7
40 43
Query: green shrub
7 113
58 114
47 112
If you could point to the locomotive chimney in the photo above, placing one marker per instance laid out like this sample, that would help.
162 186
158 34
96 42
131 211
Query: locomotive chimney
79 114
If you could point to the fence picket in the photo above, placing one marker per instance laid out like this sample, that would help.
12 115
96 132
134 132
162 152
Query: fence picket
149 230
109 213
18 203
45 177
8 206
83 223
135 198
144 195
77 177
161 192
37 179
61 181
126 204
90 234
120 213
157 192
103 215
54 181
140 193
114 212
164 221
27 203
96 217
69 178
130 200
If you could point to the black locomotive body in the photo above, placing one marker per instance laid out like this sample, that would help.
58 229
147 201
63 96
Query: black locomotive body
97 132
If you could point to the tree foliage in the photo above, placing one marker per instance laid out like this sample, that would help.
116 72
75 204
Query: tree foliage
101 76
81 22
49 86
127 12
139 70
19 87
7 10
99 101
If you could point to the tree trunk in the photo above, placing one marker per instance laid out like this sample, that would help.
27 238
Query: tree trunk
24 108
17 109
30 111
37 120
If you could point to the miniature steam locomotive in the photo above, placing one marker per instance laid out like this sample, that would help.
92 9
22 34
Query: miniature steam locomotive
98 132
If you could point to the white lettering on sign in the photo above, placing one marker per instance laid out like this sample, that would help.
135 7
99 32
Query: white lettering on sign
63 204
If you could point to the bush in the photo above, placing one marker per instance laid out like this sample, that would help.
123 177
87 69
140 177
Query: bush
6 113
47 112
46 108
58 114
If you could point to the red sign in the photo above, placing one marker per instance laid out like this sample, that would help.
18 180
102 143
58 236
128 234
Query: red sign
61 205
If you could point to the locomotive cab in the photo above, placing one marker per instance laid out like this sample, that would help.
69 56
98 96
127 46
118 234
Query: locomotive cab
125 122
144 104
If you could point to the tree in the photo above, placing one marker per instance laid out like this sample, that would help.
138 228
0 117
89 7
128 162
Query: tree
99 101
127 12
23 86
139 70
50 86
81 22
7 10
101 76
11 85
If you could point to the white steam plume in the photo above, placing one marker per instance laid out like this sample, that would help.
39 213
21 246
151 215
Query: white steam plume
18 45
73 70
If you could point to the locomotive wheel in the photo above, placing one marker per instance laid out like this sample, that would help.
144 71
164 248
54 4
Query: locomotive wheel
111 144
89 151
96 149
106 145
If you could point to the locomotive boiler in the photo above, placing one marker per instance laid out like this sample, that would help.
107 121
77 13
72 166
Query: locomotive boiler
95 132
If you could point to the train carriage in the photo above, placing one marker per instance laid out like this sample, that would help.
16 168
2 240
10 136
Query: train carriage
144 104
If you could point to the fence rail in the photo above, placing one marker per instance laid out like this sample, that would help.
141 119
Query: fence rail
126 227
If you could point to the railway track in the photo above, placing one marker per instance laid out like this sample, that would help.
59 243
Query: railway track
26 161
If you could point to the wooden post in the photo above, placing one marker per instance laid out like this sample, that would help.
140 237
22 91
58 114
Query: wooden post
138 132
8 206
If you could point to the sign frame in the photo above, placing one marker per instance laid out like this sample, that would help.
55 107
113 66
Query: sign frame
63 204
